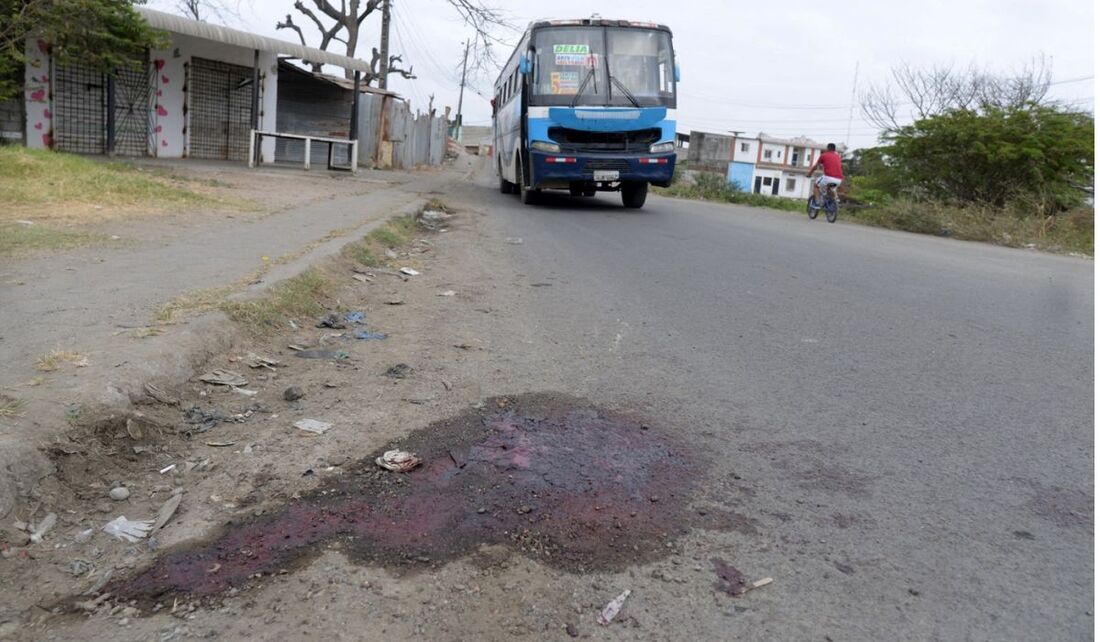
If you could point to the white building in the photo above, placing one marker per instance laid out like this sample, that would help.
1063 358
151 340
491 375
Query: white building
762 164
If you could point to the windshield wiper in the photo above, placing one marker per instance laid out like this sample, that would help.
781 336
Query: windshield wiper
591 75
622 88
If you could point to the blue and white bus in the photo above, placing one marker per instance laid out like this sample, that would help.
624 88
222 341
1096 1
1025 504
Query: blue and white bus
586 105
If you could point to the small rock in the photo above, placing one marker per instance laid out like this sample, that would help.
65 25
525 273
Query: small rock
481 511
293 393
523 510
571 630
119 493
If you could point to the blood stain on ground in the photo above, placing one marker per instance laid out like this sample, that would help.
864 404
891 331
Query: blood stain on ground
730 580
570 485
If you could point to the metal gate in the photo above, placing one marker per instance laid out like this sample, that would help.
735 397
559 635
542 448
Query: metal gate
133 92
220 110
81 99
80 110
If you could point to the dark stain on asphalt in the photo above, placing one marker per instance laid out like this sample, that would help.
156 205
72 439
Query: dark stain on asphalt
552 477
1064 507
730 580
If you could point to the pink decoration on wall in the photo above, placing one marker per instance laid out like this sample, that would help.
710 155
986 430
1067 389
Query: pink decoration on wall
159 62
45 78
38 95
158 129
161 111
159 93
47 113
164 143
43 46
164 79
47 140
38 125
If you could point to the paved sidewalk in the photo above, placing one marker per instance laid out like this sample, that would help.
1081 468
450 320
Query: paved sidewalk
81 299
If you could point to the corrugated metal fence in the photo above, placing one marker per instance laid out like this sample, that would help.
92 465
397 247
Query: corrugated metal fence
391 136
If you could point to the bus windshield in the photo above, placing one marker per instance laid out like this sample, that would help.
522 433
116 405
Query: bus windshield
607 66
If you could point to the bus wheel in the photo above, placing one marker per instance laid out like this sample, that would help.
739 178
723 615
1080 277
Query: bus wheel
526 195
576 190
634 194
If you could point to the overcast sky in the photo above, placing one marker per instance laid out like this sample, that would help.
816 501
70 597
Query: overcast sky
785 68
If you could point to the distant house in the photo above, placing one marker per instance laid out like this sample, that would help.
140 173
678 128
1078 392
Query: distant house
761 164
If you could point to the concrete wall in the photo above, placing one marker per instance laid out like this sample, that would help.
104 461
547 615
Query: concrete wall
741 174
37 95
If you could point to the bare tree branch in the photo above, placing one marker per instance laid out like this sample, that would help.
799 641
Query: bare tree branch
219 11
926 92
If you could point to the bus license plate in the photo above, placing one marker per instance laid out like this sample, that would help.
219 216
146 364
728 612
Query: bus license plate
605 176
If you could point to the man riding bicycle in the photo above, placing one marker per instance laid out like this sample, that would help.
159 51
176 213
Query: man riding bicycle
833 174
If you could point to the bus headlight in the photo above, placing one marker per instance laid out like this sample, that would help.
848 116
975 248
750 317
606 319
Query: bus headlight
543 146
662 148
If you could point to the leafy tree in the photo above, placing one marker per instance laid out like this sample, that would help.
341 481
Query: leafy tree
104 34
996 156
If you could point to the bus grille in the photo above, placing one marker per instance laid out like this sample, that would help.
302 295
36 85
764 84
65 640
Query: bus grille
577 141
601 164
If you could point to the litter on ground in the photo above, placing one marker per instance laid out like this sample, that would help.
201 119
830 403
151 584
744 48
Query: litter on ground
312 425
129 530
398 461
367 335
613 607
222 377
409 272
48 522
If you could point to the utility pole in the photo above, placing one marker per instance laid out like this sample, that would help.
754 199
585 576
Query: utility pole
462 89
384 64
852 108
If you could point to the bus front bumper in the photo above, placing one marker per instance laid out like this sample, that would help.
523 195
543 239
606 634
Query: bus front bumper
560 171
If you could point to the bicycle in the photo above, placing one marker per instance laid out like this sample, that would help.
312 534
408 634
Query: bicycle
829 204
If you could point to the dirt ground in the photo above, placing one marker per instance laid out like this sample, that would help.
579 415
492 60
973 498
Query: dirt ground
285 534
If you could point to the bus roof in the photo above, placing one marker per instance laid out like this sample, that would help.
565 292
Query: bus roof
597 22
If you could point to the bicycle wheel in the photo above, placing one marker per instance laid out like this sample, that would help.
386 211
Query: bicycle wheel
811 211
830 210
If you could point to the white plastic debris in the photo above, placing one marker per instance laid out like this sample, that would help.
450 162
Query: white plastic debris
390 254
129 530
312 425
513 241
398 461
447 293
612 609
409 272
167 469
84 536
246 392
48 522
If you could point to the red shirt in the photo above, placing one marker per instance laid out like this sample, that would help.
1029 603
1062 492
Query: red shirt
830 161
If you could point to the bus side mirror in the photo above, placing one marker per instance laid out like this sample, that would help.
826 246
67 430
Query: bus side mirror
676 73
524 65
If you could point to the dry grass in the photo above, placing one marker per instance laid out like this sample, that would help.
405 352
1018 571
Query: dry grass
52 186
10 407
16 238
294 298
54 359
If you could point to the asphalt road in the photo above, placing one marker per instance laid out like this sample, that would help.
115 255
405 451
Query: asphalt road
909 419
